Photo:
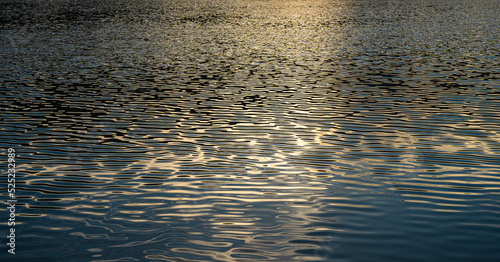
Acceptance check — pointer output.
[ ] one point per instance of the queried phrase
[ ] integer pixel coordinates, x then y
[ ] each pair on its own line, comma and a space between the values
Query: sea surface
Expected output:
251, 130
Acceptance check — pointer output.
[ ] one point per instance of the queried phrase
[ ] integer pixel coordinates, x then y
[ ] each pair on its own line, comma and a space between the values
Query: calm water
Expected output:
355, 130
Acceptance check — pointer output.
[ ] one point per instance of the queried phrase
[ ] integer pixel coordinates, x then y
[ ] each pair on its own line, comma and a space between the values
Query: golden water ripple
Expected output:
253, 130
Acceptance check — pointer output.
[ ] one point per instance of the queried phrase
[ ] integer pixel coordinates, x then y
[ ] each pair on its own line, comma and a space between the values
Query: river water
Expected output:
355, 130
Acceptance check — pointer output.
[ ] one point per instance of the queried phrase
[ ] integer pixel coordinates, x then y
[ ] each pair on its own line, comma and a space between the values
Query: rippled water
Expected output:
252, 130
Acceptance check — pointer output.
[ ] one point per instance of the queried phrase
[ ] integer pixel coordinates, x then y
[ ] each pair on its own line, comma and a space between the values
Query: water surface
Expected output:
253, 130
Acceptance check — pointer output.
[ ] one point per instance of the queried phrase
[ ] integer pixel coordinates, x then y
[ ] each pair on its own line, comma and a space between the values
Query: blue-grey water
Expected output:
252, 130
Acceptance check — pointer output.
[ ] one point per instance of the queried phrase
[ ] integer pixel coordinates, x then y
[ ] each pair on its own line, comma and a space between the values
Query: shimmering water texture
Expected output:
252, 130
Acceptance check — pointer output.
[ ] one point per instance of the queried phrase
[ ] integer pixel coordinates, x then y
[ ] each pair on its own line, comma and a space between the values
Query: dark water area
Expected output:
363, 130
